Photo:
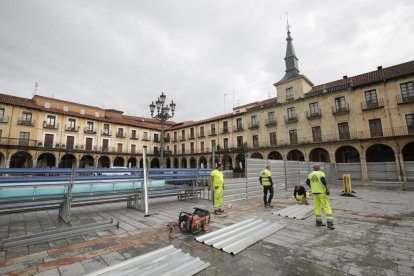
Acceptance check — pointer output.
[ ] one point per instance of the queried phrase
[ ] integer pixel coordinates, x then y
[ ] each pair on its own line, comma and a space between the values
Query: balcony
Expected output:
224, 130
340, 110
18, 142
25, 122
311, 115
106, 132
50, 125
4, 119
120, 135
156, 139
405, 99
212, 132
88, 130
191, 137
166, 139
291, 119
317, 139
293, 140
271, 122
372, 104
201, 135
72, 128
254, 125
376, 133
175, 139
182, 138
145, 138
238, 128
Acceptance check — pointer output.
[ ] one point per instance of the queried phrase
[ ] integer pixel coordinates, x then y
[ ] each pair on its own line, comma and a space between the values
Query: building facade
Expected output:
363, 124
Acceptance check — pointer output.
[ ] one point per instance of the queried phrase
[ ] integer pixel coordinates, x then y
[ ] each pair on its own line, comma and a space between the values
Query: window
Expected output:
175, 149
289, 94
225, 126
134, 134
271, 117
409, 119
48, 142
293, 136
70, 142
254, 120
192, 147
26, 117
88, 143
71, 123
239, 123
156, 137
407, 89
192, 133
97, 114
314, 109
65, 108
239, 141
50, 120
133, 148
226, 143
371, 97
47, 104
105, 129
291, 113
213, 128
340, 103
213, 145
273, 141
145, 136
202, 146
175, 136
24, 138
202, 131
375, 128
89, 126
82, 111
120, 131
256, 141
1, 114
182, 148
343, 130
105, 143
119, 147
182, 134
316, 134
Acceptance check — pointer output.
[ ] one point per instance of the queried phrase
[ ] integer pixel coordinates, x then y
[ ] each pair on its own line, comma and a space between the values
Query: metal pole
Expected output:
144, 162
162, 145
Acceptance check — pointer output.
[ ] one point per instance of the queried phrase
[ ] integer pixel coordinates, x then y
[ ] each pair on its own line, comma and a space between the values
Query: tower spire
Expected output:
291, 61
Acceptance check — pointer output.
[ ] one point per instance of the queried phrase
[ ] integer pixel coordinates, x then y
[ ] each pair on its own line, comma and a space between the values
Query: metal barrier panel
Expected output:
382, 171
278, 174
409, 170
354, 169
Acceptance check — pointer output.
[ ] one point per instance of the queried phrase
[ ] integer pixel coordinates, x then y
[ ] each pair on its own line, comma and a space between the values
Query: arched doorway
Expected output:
408, 157
168, 163
104, 162
132, 162
381, 163
213, 164
141, 163
119, 161
155, 163
274, 155
87, 161
257, 155
176, 163
348, 162
46, 160
193, 163
67, 161
295, 155
202, 162
319, 155
21, 159
227, 162
2, 160
183, 163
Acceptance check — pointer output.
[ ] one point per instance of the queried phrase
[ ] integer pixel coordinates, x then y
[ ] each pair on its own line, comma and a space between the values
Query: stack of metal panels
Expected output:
296, 211
237, 237
165, 261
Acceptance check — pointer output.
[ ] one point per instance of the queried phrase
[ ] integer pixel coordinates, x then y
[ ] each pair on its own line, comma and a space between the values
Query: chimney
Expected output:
379, 67
345, 77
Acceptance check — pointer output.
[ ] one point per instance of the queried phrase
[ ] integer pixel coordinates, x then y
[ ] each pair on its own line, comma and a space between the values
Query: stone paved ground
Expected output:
374, 235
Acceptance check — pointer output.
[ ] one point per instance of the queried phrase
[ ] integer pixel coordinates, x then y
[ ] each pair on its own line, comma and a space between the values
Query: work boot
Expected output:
330, 225
270, 205
217, 212
320, 223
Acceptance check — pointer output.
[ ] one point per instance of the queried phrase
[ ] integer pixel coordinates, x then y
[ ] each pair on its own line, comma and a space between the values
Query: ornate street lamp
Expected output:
162, 115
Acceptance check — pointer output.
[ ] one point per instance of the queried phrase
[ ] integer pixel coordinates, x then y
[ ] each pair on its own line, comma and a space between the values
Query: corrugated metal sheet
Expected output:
409, 170
354, 169
237, 237
295, 211
382, 171
165, 261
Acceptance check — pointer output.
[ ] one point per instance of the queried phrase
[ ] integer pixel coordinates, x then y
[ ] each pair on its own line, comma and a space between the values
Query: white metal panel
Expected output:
296, 211
354, 169
409, 170
382, 171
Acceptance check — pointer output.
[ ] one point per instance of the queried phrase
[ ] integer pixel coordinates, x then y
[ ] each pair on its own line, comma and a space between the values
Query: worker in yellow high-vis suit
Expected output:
216, 182
267, 183
316, 180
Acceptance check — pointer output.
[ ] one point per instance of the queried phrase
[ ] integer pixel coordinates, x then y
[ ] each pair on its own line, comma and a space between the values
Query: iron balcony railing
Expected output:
72, 128
201, 135
271, 122
291, 119
106, 132
310, 115
339, 110
372, 104
120, 135
253, 125
225, 130
238, 127
405, 99
26, 122
182, 138
145, 138
191, 136
50, 125
89, 130
212, 132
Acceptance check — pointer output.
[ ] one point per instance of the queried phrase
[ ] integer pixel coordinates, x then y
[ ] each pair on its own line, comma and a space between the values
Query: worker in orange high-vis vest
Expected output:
216, 183
316, 180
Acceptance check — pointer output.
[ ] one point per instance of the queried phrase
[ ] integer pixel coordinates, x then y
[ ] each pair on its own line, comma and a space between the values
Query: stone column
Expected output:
400, 167
364, 168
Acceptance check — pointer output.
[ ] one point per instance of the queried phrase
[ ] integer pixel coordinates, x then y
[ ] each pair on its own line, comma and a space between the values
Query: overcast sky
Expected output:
123, 54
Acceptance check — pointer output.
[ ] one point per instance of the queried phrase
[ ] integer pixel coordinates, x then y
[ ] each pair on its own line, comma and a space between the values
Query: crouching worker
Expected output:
301, 195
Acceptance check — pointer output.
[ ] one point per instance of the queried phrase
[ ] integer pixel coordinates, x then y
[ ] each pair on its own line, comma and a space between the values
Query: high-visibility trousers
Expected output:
322, 201
300, 198
218, 197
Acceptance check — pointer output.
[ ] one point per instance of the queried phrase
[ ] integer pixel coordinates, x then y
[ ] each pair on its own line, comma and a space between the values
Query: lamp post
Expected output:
162, 115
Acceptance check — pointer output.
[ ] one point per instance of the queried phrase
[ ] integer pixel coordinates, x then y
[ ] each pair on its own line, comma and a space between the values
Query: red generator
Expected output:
195, 222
